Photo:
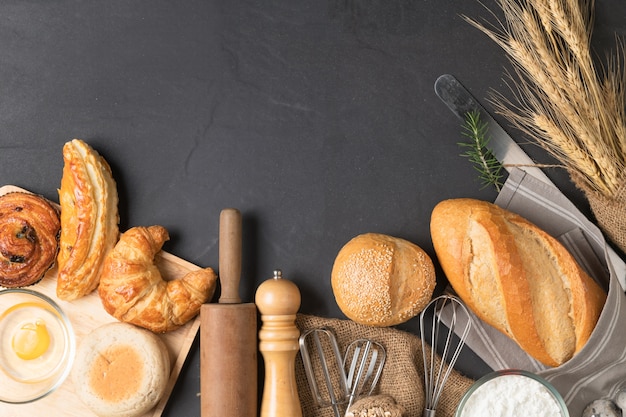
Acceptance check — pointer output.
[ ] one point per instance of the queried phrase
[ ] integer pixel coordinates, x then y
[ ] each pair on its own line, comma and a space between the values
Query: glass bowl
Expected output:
37, 346
514, 393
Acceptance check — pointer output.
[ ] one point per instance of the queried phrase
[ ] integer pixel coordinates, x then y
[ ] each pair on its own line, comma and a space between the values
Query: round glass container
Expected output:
513, 393
37, 345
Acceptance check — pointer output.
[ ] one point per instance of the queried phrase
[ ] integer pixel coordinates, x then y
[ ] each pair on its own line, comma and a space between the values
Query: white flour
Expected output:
511, 396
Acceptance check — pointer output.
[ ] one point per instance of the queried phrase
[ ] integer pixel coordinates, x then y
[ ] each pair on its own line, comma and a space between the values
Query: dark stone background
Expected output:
317, 119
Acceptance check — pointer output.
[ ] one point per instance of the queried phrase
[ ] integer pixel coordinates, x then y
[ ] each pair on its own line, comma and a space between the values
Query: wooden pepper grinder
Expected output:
278, 300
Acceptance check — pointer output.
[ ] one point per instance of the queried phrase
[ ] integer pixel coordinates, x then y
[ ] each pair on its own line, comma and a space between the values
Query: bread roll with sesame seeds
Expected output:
380, 280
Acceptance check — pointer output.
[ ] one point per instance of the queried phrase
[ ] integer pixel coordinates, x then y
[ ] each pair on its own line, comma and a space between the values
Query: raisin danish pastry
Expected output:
89, 219
29, 233
133, 290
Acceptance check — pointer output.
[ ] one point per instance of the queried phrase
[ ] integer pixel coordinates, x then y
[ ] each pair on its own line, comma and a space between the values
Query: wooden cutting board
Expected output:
86, 314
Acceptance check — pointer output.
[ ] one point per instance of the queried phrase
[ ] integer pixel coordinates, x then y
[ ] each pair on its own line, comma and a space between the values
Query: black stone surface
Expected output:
317, 119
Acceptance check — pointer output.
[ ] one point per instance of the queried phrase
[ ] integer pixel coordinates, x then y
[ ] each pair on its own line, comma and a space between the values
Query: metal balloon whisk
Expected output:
448, 340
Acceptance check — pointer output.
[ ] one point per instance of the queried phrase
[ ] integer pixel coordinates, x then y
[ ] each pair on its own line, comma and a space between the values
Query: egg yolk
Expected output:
31, 340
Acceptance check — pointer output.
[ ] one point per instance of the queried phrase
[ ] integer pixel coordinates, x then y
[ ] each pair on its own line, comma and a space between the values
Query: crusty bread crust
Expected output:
380, 280
516, 277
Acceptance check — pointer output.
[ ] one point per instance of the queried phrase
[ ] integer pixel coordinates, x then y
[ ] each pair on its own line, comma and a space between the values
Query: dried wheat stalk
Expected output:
562, 100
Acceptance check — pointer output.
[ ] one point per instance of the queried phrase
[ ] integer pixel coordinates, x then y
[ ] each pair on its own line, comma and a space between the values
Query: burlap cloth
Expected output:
402, 377
610, 212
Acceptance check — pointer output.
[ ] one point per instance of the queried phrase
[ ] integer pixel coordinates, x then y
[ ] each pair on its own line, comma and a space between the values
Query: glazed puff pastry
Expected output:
133, 290
29, 234
89, 219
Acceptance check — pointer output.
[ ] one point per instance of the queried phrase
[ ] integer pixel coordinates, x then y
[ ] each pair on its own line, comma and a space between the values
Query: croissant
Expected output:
89, 219
133, 290
29, 233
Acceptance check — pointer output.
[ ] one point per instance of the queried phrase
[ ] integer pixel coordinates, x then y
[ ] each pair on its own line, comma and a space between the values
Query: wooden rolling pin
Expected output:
228, 335
278, 301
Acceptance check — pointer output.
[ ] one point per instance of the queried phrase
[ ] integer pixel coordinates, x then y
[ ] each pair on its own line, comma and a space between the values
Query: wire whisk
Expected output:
436, 375
326, 365
343, 378
363, 363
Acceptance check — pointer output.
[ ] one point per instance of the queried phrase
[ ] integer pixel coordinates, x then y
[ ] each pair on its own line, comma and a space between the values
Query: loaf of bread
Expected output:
89, 219
517, 278
133, 290
380, 280
121, 370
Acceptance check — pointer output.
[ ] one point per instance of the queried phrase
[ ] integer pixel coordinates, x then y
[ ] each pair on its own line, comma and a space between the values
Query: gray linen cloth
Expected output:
599, 369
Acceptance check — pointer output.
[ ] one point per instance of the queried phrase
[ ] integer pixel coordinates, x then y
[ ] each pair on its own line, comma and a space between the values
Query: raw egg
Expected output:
31, 340
37, 346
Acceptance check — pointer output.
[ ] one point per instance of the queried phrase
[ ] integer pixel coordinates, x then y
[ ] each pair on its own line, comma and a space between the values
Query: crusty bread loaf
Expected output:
516, 277
121, 370
380, 280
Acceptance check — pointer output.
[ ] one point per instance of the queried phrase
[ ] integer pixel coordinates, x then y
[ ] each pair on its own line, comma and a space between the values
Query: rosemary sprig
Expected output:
478, 152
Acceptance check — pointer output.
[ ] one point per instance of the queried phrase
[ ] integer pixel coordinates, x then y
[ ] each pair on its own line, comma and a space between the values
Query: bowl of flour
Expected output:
512, 393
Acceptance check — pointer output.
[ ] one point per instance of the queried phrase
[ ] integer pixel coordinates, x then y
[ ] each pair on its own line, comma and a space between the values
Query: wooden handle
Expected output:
230, 256
228, 360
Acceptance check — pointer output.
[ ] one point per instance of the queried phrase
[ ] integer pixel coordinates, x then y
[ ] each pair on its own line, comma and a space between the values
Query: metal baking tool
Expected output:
460, 101
447, 341
228, 335
323, 362
367, 359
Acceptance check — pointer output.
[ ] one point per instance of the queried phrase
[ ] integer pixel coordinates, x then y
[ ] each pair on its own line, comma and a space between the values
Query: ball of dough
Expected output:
381, 280
121, 370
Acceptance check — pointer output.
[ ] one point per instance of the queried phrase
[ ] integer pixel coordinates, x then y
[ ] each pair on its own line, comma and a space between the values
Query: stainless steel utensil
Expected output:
334, 390
364, 369
344, 378
436, 375
460, 101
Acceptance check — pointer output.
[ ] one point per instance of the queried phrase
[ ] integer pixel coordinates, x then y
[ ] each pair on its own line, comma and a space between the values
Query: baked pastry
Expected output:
89, 219
380, 405
121, 370
133, 290
29, 234
516, 277
381, 280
